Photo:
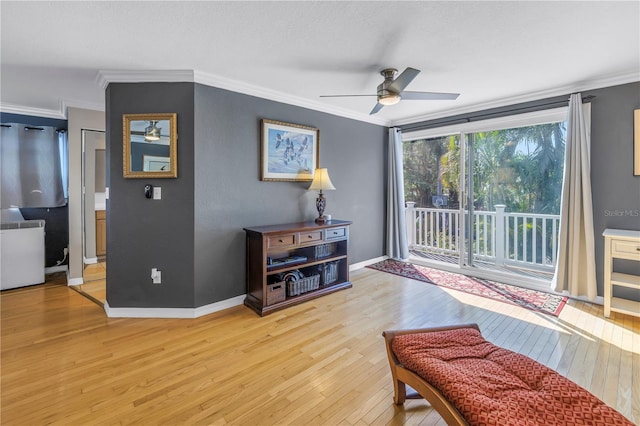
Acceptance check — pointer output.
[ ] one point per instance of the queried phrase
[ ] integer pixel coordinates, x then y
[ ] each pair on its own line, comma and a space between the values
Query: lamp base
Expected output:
320, 205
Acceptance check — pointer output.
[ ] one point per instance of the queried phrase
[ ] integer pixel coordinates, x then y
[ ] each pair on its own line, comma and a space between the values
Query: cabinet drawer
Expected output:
335, 233
309, 237
625, 249
281, 241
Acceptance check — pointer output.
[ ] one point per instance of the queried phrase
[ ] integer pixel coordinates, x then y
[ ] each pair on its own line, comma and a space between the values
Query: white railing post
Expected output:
500, 234
410, 222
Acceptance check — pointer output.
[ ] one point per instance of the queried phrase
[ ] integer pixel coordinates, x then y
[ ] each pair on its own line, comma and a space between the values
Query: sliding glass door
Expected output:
486, 199
513, 181
432, 186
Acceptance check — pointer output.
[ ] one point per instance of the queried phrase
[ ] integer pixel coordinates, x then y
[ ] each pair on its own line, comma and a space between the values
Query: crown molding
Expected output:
37, 112
72, 103
613, 80
60, 113
105, 77
277, 96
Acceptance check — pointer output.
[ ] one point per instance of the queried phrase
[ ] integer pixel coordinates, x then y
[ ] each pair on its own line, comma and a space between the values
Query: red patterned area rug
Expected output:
531, 299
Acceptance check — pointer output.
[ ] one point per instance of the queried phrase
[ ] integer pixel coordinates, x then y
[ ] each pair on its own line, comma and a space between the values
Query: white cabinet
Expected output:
620, 244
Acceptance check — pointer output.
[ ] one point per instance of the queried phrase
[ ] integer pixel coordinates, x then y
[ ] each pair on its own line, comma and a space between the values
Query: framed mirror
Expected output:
149, 145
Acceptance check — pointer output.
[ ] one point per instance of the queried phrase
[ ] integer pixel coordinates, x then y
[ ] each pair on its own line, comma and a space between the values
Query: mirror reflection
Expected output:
150, 145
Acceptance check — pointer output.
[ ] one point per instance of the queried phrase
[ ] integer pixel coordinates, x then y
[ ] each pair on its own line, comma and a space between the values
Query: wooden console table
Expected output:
620, 244
292, 263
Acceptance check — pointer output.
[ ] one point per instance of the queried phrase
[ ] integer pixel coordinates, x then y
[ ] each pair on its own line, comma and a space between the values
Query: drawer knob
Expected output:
280, 241
309, 236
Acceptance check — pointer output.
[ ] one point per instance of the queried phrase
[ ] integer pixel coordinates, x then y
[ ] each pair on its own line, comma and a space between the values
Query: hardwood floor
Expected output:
323, 362
95, 282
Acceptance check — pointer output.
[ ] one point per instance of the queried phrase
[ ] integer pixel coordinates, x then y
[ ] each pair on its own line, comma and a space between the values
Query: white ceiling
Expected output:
493, 53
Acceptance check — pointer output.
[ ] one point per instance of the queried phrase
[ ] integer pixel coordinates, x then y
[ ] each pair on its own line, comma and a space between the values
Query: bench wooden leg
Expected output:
399, 392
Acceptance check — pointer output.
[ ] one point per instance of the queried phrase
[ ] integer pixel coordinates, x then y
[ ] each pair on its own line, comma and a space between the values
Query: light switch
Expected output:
156, 276
157, 193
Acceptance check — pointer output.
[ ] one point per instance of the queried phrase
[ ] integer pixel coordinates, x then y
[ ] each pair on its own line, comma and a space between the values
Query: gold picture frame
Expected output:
148, 137
636, 142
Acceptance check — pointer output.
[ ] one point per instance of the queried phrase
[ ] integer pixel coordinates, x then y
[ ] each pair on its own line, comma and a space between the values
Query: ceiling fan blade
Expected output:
341, 96
403, 80
428, 96
376, 108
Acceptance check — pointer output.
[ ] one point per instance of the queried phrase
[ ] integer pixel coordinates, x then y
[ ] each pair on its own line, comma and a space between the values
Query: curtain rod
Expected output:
27, 127
482, 116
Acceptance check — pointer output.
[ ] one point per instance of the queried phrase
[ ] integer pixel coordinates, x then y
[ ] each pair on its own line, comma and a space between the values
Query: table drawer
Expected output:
281, 240
310, 237
625, 249
335, 233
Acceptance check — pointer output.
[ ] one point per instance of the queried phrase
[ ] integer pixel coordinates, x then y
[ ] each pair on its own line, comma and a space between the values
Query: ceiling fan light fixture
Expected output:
390, 99
152, 132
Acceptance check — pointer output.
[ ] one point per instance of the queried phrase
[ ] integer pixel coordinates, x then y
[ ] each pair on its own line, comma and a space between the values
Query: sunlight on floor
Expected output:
582, 318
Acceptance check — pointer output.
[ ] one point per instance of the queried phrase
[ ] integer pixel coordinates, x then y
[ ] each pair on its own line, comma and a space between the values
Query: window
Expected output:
34, 166
487, 192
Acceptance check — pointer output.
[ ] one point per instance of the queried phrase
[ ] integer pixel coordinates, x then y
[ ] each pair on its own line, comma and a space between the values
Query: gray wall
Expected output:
194, 234
616, 192
144, 233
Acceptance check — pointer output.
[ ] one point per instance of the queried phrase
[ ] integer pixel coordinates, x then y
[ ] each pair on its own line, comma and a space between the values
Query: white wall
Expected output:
78, 119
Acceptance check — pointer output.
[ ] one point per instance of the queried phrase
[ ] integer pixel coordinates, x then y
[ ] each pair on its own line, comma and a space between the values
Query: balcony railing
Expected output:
520, 239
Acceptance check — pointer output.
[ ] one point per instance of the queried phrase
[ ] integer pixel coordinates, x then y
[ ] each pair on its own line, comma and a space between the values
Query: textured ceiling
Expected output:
493, 53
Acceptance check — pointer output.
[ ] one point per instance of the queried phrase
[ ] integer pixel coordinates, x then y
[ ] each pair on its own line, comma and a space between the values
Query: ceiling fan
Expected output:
391, 90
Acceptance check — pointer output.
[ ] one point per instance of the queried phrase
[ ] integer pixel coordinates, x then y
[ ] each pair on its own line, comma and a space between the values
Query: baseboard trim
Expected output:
74, 281
599, 300
360, 265
54, 269
89, 260
173, 312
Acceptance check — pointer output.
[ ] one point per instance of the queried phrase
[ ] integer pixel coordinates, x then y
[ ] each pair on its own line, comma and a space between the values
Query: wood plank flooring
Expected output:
320, 363
95, 282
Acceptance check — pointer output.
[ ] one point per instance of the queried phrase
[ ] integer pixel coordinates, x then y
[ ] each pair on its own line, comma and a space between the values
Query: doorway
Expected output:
484, 199
513, 183
94, 190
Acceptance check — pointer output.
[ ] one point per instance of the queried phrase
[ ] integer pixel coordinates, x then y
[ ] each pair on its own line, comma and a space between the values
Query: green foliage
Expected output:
422, 168
521, 168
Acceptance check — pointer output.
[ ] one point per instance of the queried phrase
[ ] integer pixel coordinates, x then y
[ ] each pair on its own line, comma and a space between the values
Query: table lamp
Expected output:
321, 182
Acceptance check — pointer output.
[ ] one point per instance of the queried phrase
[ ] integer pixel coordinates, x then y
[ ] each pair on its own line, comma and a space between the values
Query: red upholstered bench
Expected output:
471, 381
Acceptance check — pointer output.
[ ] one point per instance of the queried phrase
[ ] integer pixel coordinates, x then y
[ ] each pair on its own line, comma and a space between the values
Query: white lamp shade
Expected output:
321, 181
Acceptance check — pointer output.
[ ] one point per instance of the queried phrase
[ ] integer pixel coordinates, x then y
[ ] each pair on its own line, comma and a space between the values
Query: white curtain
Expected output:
397, 247
31, 169
63, 153
575, 269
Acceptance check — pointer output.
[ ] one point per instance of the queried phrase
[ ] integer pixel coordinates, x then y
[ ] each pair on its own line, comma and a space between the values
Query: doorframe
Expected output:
466, 187
84, 168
